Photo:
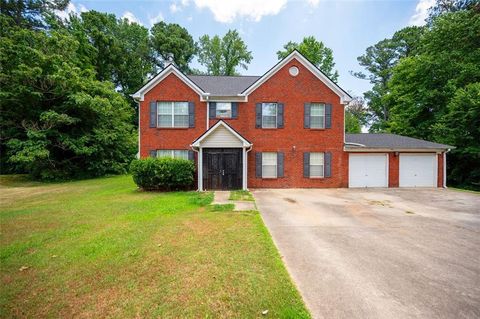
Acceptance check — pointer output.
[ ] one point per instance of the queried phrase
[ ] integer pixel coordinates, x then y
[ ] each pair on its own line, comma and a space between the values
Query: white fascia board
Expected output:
344, 98
140, 94
400, 150
244, 141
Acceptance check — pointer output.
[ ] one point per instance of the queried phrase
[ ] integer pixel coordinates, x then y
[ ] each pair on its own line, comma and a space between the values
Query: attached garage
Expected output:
368, 170
389, 160
418, 170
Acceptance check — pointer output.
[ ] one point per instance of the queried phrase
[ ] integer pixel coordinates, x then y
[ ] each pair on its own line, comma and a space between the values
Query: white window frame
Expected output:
172, 114
230, 110
172, 153
323, 115
276, 165
276, 114
322, 164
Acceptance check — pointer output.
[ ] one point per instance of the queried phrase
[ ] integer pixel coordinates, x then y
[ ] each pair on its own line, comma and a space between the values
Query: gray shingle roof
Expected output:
391, 141
223, 85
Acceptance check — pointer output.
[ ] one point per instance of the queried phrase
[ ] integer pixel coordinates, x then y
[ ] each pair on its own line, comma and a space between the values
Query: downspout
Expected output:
199, 167
246, 164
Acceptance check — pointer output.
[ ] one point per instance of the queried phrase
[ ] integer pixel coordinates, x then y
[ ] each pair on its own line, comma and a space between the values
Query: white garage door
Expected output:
418, 170
367, 170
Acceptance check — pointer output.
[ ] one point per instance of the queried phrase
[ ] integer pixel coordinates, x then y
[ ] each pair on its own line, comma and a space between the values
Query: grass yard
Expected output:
241, 195
101, 248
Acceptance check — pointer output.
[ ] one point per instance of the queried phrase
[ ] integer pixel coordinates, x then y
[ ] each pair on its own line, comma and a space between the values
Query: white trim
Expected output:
140, 94
208, 114
383, 150
213, 128
445, 168
344, 97
200, 169
244, 168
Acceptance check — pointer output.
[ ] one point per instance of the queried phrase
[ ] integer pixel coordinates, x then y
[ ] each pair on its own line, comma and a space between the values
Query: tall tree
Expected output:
316, 52
31, 14
444, 6
118, 49
172, 39
379, 61
222, 56
426, 89
57, 120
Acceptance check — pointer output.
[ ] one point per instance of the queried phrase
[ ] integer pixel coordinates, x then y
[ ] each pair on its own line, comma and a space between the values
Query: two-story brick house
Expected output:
282, 129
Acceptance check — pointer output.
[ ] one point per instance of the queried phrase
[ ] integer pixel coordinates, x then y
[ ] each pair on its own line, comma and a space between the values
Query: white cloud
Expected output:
421, 12
130, 17
227, 11
174, 8
71, 9
157, 18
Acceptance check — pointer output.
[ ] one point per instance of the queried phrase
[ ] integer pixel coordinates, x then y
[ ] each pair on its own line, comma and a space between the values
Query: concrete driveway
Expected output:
389, 253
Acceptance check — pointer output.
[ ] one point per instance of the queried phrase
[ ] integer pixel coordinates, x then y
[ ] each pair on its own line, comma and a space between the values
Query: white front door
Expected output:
418, 170
368, 170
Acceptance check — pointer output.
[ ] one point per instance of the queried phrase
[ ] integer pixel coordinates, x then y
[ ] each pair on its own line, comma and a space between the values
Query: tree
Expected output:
316, 52
57, 120
172, 39
425, 89
31, 14
222, 56
379, 61
352, 123
445, 6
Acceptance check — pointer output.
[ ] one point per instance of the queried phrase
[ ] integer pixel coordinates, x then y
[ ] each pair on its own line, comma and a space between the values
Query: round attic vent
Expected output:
293, 71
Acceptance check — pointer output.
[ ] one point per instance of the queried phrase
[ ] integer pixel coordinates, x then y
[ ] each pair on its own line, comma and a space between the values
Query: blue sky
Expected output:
348, 27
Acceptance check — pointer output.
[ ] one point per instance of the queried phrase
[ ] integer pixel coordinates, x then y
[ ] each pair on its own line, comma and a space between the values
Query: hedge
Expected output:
163, 174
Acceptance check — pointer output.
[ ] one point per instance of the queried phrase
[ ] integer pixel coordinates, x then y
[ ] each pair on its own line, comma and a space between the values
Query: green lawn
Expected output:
241, 195
101, 248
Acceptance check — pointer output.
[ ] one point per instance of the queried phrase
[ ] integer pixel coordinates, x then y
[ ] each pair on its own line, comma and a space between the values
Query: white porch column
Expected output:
200, 169
244, 171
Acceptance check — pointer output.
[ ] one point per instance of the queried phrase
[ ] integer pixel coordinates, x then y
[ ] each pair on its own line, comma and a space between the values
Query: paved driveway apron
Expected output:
392, 253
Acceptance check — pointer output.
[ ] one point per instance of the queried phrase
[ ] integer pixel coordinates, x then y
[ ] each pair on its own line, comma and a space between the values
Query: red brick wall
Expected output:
440, 170
293, 139
170, 89
393, 169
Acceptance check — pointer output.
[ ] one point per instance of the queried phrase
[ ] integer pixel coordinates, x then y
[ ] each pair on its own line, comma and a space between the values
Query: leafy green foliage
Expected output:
222, 56
172, 39
164, 174
118, 49
379, 61
316, 52
57, 120
352, 123
31, 14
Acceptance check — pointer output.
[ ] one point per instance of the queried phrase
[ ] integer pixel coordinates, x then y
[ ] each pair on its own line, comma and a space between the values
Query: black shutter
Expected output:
280, 164
258, 164
191, 114
258, 115
280, 117
306, 115
153, 114
234, 110
328, 116
212, 110
306, 164
153, 153
328, 164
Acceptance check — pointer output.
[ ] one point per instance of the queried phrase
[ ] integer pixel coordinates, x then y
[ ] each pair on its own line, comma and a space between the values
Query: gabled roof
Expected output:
236, 87
171, 68
196, 142
344, 96
389, 141
223, 85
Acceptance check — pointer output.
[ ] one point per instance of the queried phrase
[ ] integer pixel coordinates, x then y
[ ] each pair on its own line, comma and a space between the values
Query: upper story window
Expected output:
317, 115
223, 110
173, 114
269, 115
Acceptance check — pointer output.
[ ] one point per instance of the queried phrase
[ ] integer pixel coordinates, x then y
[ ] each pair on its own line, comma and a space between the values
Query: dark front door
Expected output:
222, 168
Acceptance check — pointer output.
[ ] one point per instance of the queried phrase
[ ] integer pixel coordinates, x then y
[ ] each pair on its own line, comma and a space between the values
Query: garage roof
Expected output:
389, 141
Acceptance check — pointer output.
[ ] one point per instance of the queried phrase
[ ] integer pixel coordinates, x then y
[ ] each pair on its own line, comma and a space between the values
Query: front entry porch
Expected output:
222, 158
